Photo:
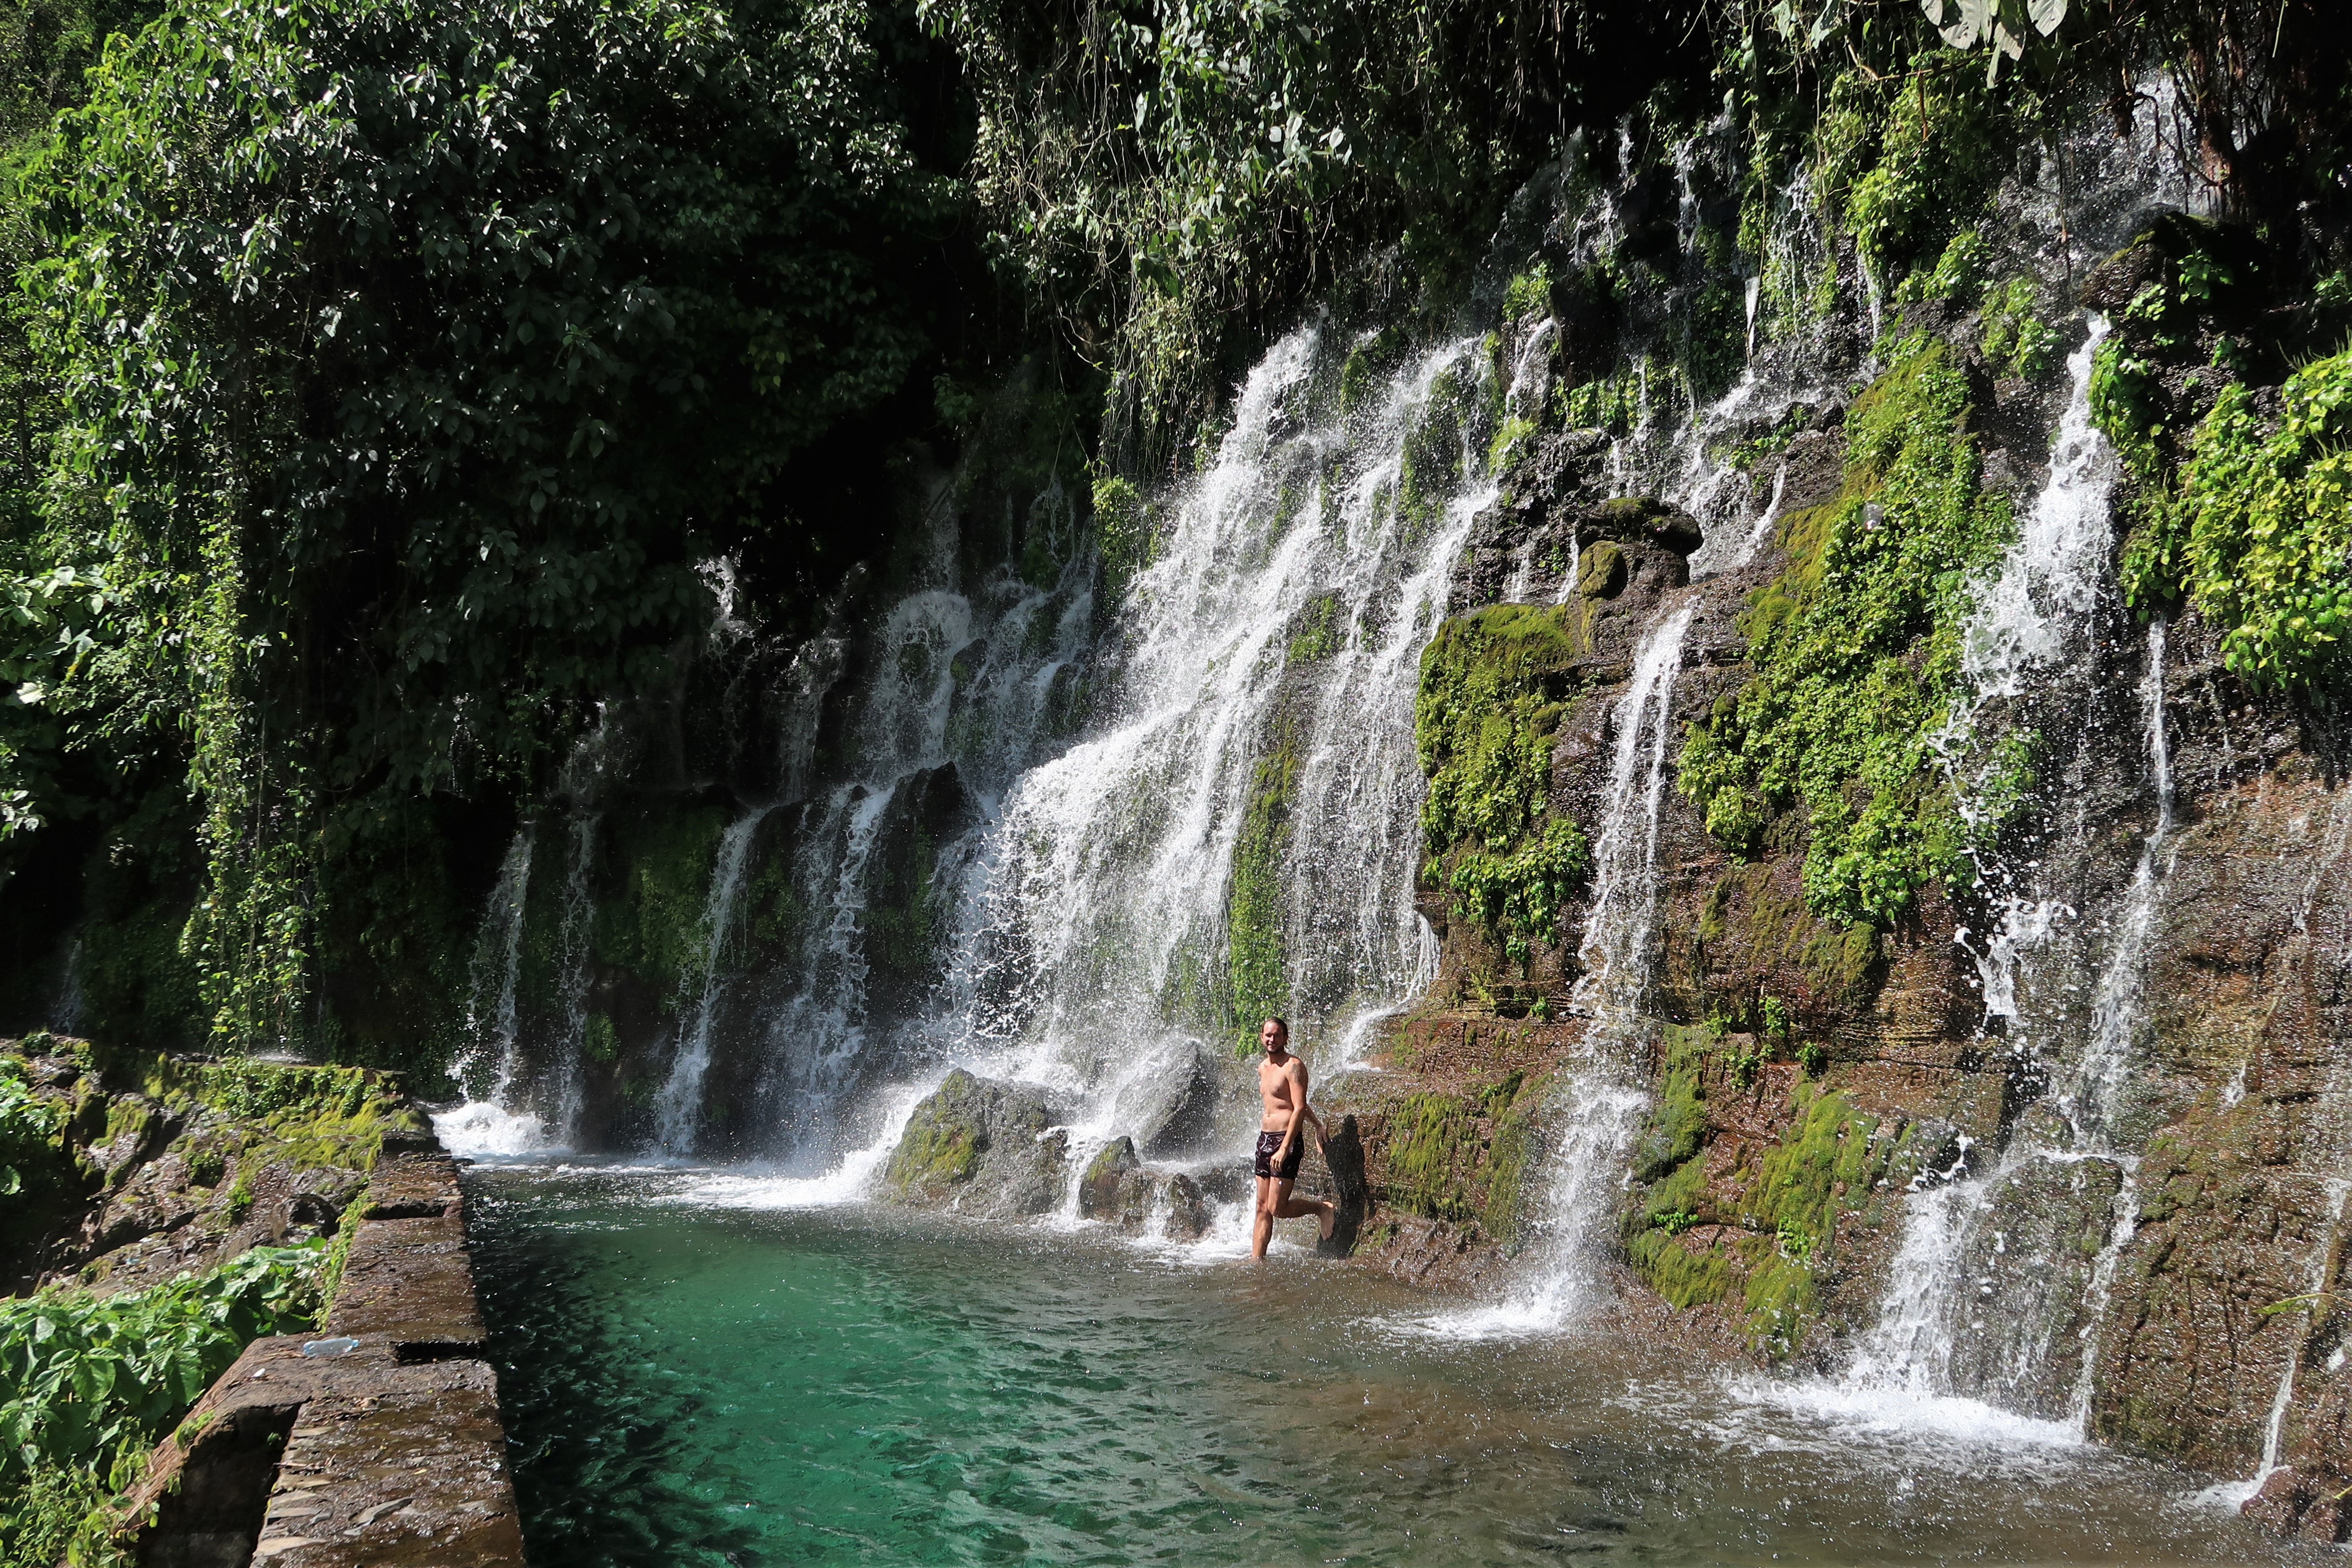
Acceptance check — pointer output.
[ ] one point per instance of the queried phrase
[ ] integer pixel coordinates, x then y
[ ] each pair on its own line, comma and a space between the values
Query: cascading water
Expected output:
1599, 1109
2036, 622
490, 1018
493, 1055
680, 1105
1264, 689
578, 932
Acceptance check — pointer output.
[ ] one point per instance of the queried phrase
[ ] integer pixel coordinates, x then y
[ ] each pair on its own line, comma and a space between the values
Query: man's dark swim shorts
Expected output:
1269, 1145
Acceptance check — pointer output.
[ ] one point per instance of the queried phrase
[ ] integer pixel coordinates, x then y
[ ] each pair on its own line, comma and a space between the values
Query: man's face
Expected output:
1270, 1038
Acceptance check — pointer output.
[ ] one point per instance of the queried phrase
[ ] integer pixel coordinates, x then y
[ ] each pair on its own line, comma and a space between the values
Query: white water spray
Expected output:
1599, 1109
678, 1112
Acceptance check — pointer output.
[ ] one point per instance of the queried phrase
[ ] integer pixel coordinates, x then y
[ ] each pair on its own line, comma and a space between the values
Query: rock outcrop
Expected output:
156, 1162
982, 1146
2173, 1273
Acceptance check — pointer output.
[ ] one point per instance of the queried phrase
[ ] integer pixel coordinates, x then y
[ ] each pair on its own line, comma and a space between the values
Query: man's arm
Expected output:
1297, 1073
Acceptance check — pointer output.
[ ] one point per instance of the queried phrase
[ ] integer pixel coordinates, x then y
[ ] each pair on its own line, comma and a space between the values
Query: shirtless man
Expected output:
1282, 1083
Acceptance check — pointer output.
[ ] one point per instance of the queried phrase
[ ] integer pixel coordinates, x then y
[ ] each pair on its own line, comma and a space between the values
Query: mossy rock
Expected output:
941, 1145
982, 1146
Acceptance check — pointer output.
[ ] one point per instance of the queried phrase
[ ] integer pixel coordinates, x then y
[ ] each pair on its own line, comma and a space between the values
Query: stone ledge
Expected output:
390, 1453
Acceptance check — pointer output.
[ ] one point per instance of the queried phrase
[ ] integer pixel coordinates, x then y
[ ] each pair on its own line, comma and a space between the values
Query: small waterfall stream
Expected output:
495, 976
1601, 1105
680, 1108
493, 1059
2036, 620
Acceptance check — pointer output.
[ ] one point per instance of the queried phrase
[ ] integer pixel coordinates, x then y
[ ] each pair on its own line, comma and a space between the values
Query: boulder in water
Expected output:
1174, 1111
1115, 1187
981, 1145
1189, 1213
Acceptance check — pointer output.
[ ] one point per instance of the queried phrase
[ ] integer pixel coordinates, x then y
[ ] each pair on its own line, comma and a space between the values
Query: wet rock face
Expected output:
2026, 1277
903, 919
2171, 1250
1186, 1103
982, 1147
1556, 536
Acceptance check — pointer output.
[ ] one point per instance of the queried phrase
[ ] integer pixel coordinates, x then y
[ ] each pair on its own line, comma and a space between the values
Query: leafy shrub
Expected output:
87, 1383
27, 1123
2262, 531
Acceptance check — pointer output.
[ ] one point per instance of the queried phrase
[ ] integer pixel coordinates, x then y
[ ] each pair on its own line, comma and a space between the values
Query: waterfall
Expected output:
1935, 1335
2038, 608
1600, 1108
2116, 1006
1265, 683
484, 1122
495, 976
578, 932
679, 1110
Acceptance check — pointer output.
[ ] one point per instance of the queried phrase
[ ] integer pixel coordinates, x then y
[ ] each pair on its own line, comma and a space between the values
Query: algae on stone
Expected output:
1494, 685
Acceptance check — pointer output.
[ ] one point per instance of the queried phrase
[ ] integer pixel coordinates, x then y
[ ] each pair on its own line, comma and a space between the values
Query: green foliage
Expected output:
1856, 650
1520, 894
1942, 148
1493, 687
2003, 29
1123, 525
1257, 968
27, 1123
2267, 518
655, 927
1173, 183
1958, 273
459, 337
87, 1383
1528, 295
2014, 337
1615, 402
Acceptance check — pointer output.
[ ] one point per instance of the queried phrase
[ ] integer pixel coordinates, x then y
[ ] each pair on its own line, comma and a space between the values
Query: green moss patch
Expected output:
1462, 1157
655, 927
941, 1145
1493, 687
1856, 651
1257, 968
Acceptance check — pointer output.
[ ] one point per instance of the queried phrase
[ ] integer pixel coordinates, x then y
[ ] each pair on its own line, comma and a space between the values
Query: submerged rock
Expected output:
981, 1145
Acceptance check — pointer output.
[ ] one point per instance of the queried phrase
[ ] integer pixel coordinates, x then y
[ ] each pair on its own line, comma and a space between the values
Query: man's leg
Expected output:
1262, 1221
1287, 1207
